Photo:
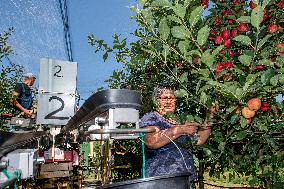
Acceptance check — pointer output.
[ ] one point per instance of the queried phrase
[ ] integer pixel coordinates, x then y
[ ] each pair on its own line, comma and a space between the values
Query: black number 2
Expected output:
51, 114
57, 71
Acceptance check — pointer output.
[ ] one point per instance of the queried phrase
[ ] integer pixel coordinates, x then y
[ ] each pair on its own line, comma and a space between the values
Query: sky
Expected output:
103, 18
39, 34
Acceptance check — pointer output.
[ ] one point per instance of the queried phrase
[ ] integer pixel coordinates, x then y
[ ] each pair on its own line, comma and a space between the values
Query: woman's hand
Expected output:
28, 113
188, 128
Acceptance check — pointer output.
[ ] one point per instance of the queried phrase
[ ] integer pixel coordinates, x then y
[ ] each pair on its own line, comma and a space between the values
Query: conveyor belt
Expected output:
10, 141
102, 101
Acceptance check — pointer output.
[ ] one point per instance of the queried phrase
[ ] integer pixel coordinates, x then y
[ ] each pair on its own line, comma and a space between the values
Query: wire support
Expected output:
64, 16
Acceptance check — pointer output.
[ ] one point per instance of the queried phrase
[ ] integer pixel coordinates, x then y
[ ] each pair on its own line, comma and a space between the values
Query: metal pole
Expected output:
143, 156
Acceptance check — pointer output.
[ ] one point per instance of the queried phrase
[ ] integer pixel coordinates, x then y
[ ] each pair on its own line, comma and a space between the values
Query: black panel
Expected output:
10, 141
101, 102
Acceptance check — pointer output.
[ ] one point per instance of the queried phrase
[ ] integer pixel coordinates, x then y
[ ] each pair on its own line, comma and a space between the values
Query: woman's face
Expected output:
167, 102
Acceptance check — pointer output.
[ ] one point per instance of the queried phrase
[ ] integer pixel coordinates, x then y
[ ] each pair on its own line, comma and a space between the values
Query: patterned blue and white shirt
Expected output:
167, 159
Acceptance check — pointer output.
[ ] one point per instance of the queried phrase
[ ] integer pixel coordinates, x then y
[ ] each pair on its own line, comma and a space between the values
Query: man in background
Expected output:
22, 95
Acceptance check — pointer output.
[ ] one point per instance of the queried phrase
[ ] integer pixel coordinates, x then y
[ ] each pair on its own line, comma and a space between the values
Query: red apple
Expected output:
247, 113
204, 3
212, 109
252, 5
243, 27
217, 21
236, 2
280, 45
225, 34
231, 22
234, 32
280, 48
265, 106
228, 65
213, 32
280, 4
265, 15
226, 12
259, 67
254, 104
218, 39
219, 67
178, 64
272, 28
196, 60
227, 43
222, 51
232, 53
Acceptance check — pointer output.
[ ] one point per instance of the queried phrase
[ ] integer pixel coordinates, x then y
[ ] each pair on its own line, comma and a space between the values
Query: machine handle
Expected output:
120, 131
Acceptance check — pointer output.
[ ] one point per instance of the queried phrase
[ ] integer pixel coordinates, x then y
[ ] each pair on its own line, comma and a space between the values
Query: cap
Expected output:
29, 75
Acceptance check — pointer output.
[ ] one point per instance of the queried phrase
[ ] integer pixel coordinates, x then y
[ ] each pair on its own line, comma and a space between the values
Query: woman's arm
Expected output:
203, 133
158, 139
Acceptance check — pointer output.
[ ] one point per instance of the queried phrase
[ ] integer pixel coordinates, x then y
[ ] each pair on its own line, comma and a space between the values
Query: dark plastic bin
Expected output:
176, 181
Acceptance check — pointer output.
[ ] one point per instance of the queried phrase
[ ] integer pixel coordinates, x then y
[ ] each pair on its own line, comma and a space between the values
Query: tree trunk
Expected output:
200, 175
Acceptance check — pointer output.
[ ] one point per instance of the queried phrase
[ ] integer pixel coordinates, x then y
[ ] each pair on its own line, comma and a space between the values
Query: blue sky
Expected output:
39, 33
103, 18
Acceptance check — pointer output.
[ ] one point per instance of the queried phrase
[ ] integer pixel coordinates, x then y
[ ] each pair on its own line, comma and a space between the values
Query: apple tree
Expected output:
9, 73
227, 68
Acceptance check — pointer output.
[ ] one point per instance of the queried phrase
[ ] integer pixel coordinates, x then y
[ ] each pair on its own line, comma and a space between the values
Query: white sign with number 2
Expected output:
57, 85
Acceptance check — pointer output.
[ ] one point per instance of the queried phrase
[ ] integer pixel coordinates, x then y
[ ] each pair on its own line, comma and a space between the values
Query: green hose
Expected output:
143, 156
9, 175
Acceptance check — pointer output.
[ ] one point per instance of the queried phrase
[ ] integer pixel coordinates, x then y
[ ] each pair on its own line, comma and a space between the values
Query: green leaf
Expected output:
179, 10
267, 75
243, 39
193, 52
198, 119
281, 78
195, 15
183, 46
181, 93
179, 32
239, 93
223, 89
149, 51
261, 126
280, 60
217, 50
241, 135
166, 50
207, 58
234, 119
257, 16
274, 80
164, 29
243, 122
221, 146
245, 19
263, 41
203, 98
105, 56
207, 151
202, 35
265, 62
249, 80
142, 1
186, 3
245, 59
174, 19
161, 3
265, 3
189, 118
183, 77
